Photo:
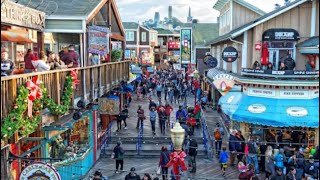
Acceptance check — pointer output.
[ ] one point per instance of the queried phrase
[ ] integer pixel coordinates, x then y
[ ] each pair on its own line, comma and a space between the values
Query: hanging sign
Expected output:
210, 61
280, 34
185, 48
229, 54
99, 40
39, 170
258, 46
19, 15
223, 83
109, 105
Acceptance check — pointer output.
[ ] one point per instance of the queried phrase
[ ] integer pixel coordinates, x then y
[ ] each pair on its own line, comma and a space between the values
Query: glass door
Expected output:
274, 58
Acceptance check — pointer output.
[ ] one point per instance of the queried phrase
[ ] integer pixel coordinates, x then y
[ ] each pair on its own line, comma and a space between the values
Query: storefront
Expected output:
260, 111
73, 145
21, 29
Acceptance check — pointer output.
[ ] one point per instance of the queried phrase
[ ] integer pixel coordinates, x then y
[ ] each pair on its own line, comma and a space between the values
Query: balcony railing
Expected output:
286, 74
94, 82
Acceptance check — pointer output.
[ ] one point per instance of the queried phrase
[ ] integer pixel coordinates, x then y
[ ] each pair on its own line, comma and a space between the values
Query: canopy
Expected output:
271, 112
14, 37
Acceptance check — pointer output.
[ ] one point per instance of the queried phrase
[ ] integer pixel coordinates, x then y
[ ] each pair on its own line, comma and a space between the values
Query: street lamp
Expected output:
177, 157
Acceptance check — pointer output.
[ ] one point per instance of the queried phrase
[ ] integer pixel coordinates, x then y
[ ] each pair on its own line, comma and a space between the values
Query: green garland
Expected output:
17, 119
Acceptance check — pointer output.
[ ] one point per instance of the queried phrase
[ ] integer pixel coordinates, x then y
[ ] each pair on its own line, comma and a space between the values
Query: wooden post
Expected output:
40, 42
57, 83
92, 83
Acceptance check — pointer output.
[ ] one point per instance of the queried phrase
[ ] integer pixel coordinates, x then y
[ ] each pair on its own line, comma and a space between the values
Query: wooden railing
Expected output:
94, 82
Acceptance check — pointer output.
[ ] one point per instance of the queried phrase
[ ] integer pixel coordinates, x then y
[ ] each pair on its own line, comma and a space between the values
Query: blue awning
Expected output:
271, 112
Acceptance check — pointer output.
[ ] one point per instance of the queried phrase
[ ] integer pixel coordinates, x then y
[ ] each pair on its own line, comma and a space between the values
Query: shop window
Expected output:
72, 143
143, 36
278, 51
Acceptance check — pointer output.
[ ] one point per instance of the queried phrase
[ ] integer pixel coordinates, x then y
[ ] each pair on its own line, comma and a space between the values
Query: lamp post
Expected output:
177, 157
196, 84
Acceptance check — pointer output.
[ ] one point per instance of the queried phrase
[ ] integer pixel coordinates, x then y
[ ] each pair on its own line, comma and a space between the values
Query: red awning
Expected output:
14, 37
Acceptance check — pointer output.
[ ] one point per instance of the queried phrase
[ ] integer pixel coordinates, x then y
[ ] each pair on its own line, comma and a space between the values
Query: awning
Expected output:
14, 37
309, 46
271, 112
135, 69
213, 73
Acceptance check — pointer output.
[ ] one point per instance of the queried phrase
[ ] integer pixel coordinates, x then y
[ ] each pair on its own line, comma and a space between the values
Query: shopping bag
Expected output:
112, 155
159, 170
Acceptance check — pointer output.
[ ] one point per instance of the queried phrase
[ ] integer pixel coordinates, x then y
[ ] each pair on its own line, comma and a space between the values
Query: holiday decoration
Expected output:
31, 100
177, 160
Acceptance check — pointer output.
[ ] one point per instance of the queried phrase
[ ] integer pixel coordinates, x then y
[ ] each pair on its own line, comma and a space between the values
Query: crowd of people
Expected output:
46, 60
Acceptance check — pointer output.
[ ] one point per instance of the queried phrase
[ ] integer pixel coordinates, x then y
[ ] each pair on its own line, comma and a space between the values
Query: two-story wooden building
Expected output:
269, 98
140, 42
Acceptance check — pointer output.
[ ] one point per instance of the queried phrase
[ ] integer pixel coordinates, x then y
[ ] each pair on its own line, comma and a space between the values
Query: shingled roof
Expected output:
162, 31
130, 25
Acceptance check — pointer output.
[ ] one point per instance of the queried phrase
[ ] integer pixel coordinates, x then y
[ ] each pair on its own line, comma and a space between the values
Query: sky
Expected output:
142, 10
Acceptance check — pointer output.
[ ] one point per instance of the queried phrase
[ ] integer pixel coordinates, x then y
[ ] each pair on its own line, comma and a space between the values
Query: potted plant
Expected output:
116, 55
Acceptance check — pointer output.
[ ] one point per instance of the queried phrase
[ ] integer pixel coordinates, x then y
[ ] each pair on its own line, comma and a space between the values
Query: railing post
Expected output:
57, 83
92, 83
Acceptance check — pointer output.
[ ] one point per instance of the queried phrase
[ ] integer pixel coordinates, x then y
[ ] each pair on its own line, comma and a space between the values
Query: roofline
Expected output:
130, 29
95, 10
251, 7
144, 27
117, 15
66, 17
267, 18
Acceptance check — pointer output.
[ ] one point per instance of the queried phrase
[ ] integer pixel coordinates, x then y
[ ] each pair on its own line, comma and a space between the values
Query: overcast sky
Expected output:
141, 10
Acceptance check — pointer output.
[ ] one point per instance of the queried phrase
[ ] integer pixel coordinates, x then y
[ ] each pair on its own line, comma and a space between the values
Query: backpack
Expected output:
217, 135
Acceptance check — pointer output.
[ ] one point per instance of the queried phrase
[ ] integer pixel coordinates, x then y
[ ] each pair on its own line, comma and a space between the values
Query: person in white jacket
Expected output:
41, 65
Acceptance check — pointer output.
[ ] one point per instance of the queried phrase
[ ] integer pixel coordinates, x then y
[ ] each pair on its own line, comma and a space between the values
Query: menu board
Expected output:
99, 40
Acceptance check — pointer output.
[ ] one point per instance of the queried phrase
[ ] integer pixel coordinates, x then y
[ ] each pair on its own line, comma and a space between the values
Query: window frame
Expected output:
143, 36
130, 36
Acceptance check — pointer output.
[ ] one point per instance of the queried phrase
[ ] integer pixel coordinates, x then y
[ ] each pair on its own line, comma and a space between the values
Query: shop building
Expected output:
67, 25
21, 31
270, 97
140, 43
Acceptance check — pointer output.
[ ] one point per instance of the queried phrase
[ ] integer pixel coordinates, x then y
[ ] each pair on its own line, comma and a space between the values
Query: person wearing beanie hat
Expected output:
118, 156
132, 175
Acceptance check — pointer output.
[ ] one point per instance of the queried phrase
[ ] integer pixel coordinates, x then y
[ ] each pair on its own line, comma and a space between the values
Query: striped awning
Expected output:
213, 73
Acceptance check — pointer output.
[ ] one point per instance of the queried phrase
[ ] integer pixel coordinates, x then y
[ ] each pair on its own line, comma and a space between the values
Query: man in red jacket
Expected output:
28, 67
168, 109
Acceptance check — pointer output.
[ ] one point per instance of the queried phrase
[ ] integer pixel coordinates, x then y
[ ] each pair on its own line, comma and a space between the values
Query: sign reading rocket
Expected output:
223, 83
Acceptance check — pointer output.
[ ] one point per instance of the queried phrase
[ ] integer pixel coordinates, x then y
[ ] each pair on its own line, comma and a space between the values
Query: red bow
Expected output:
177, 160
74, 75
35, 92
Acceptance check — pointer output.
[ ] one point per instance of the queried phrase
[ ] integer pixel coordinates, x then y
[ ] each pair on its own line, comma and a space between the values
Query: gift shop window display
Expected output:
73, 143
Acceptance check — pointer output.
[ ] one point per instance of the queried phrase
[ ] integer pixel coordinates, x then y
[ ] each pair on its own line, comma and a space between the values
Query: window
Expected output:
225, 18
143, 36
129, 36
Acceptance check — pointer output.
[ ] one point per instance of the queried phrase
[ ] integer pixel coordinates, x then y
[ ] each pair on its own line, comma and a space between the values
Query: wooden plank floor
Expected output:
206, 169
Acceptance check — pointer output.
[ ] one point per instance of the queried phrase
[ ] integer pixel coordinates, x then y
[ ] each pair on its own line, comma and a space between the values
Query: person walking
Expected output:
253, 155
242, 140
217, 140
168, 109
141, 117
124, 115
162, 120
118, 156
181, 115
223, 159
164, 159
153, 117
269, 162
132, 175
192, 152
233, 147
279, 159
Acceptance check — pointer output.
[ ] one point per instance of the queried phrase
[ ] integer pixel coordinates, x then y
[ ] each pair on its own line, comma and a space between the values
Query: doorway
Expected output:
279, 55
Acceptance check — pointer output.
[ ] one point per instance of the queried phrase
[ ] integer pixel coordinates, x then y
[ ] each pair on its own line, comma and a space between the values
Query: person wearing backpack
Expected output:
164, 160
118, 156
217, 140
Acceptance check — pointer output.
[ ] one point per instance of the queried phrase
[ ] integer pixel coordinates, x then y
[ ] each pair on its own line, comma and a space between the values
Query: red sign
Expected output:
258, 46
173, 44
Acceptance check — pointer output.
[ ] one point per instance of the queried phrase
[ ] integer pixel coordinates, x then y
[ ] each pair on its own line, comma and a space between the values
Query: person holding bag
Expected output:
164, 160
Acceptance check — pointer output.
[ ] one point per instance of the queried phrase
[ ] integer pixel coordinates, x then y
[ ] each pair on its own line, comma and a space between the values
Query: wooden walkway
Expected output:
206, 169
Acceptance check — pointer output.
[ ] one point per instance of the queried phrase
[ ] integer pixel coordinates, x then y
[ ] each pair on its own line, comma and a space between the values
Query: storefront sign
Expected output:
223, 83
99, 40
185, 42
19, 15
258, 46
39, 170
173, 45
210, 61
286, 72
294, 94
281, 34
261, 92
109, 105
229, 54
